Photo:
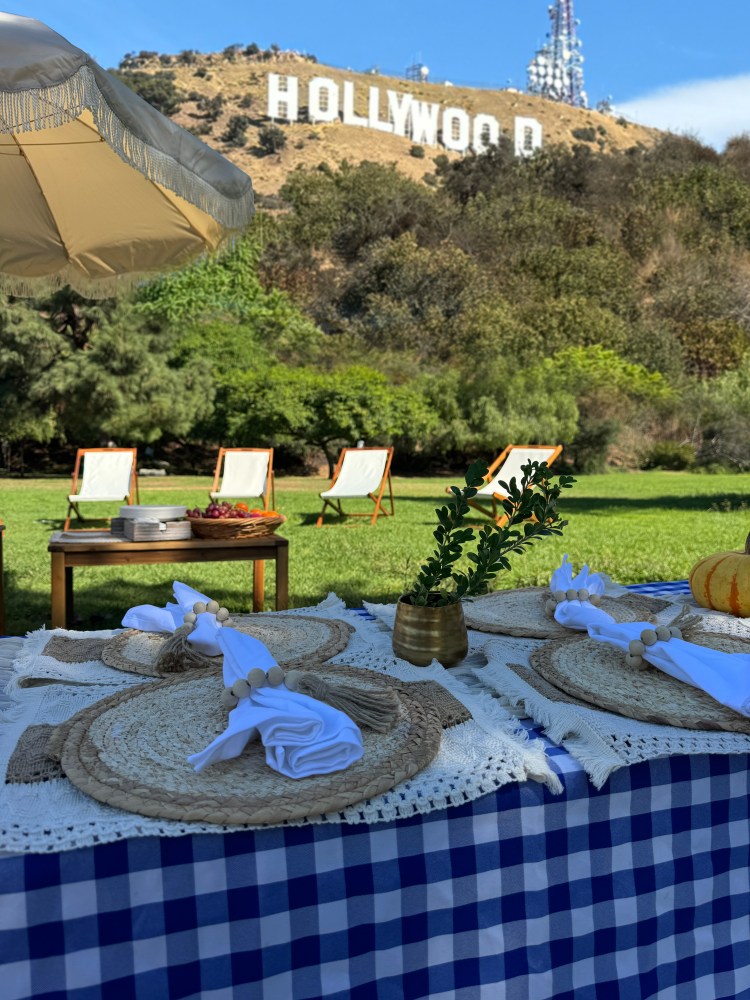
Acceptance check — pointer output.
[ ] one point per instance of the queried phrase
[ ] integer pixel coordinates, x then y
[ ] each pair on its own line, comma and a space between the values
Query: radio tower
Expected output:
556, 71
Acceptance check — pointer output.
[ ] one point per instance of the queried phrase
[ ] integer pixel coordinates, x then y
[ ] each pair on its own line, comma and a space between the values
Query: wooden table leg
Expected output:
59, 590
69, 612
282, 578
259, 584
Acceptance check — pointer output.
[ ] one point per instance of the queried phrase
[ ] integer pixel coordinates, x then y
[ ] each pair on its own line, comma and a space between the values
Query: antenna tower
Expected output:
556, 71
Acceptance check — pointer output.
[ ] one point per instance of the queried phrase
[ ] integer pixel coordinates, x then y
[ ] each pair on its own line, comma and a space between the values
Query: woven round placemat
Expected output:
543, 687
294, 641
597, 673
521, 612
130, 750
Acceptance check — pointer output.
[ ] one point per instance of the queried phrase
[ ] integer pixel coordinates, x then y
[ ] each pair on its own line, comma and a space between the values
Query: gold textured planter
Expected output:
421, 635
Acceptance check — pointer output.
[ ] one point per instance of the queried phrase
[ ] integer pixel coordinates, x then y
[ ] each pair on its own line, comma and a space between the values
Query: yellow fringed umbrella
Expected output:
96, 186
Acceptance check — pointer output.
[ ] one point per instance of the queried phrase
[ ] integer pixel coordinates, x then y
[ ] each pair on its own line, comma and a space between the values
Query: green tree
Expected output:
129, 385
322, 410
157, 88
226, 287
29, 353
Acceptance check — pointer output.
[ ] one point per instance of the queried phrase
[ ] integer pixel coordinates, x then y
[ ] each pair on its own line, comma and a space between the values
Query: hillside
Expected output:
241, 82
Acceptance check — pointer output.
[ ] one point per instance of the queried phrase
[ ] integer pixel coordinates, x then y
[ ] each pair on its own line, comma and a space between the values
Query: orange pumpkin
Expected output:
722, 582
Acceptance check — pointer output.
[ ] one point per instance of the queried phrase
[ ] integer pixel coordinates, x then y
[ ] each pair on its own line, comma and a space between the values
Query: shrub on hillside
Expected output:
271, 139
671, 455
584, 134
236, 130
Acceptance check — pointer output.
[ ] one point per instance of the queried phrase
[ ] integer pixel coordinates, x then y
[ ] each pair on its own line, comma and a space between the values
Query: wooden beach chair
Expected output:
507, 466
247, 474
107, 475
360, 473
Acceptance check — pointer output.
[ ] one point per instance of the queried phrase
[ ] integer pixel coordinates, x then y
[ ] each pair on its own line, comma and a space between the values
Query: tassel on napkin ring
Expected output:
649, 637
177, 654
367, 708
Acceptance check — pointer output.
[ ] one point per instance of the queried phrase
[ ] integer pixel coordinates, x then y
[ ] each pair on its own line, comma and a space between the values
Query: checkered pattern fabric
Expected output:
641, 890
672, 588
638, 891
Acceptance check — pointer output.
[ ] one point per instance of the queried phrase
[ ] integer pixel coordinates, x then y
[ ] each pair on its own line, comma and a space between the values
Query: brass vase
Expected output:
421, 635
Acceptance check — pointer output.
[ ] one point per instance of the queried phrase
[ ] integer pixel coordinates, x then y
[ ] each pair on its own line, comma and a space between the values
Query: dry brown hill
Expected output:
242, 83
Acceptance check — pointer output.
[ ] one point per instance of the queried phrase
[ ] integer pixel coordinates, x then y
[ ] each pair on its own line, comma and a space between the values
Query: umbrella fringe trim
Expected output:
108, 286
51, 107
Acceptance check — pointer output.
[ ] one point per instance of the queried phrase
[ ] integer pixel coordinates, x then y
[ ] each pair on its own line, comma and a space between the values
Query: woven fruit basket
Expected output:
235, 527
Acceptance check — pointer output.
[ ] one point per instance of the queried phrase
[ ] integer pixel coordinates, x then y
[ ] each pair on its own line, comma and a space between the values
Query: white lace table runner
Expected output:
475, 758
600, 741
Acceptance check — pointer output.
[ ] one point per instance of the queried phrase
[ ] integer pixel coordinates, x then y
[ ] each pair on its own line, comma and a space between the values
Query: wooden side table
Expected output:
70, 549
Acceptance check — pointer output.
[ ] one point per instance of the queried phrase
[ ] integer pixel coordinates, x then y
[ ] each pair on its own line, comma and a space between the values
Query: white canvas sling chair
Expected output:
360, 473
248, 473
107, 475
508, 466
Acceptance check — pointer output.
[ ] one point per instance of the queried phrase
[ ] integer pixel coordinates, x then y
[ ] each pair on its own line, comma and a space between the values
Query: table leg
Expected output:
282, 579
59, 589
259, 584
69, 613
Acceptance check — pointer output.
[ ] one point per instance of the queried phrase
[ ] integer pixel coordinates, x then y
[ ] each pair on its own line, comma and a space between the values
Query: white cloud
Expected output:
714, 110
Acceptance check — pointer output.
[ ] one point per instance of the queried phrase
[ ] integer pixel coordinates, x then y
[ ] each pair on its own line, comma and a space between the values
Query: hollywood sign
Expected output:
423, 122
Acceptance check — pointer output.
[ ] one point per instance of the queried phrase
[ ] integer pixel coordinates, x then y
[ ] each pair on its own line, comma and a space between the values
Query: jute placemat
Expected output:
30, 761
521, 612
130, 750
597, 674
294, 641
67, 649
543, 687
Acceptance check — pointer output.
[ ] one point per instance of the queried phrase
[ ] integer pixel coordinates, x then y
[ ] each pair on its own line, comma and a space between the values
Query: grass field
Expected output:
635, 526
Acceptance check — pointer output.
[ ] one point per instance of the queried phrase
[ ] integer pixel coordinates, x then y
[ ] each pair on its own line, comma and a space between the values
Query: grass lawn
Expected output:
634, 526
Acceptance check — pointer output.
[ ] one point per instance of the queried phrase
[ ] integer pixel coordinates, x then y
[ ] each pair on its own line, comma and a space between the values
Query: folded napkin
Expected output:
149, 618
563, 579
571, 611
724, 676
302, 736
579, 615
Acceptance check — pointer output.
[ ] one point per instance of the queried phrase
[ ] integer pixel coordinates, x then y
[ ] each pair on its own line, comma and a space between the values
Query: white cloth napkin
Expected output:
149, 618
724, 676
302, 736
563, 579
578, 614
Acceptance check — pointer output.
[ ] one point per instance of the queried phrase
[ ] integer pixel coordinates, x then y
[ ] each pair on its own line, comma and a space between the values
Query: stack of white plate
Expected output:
140, 512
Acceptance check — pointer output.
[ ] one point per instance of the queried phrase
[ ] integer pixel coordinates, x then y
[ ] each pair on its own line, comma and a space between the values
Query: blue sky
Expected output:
681, 64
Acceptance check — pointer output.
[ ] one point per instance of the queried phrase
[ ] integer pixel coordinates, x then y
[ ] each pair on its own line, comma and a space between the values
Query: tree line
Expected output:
596, 299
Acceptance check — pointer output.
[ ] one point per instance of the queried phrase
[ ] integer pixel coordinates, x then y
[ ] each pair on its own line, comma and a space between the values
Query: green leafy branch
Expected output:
531, 513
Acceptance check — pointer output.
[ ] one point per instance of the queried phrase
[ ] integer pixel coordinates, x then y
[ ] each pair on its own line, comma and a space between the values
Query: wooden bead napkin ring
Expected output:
376, 709
649, 637
570, 595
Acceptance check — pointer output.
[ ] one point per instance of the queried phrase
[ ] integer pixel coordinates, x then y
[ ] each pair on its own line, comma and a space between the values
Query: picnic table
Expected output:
640, 888
69, 549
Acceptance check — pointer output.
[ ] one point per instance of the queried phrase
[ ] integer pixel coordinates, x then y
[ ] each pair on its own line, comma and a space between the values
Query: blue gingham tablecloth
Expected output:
639, 890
